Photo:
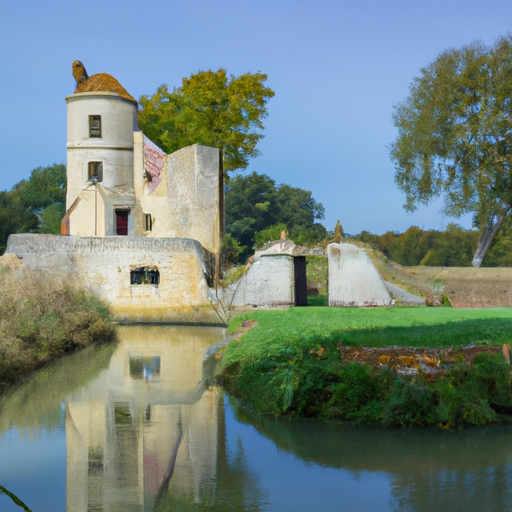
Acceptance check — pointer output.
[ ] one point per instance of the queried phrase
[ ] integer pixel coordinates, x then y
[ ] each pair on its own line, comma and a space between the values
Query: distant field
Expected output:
466, 287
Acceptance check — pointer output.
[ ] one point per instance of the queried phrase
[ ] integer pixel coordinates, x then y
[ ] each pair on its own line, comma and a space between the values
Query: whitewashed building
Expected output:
142, 229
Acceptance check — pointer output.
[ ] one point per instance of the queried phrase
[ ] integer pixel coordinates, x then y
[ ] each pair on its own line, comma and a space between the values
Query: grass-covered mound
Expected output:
290, 362
41, 320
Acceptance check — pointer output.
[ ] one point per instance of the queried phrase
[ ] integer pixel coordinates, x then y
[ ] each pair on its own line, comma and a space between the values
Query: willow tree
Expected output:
455, 137
210, 108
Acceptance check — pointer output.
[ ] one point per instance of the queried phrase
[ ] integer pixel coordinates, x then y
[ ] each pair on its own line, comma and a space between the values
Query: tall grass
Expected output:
41, 319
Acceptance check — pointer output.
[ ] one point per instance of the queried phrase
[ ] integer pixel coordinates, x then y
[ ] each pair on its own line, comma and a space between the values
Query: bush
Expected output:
41, 320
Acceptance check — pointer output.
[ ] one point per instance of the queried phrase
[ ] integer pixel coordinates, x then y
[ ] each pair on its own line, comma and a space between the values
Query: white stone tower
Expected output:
100, 198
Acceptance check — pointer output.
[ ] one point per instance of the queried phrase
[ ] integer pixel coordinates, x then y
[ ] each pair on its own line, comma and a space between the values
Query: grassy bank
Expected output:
291, 362
42, 320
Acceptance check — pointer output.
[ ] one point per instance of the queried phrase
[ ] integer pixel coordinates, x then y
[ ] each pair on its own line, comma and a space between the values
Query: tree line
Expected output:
35, 205
257, 210
453, 247
454, 140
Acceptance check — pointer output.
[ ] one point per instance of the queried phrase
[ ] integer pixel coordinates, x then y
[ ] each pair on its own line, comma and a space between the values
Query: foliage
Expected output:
450, 248
338, 233
317, 275
34, 205
46, 186
500, 253
318, 300
234, 274
455, 136
230, 250
210, 108
269, 234
289, 364
41, 320
51, 218
255, 203
14, 216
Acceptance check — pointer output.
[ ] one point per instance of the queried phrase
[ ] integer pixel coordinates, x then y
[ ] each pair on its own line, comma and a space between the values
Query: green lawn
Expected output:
289, 363
378, 327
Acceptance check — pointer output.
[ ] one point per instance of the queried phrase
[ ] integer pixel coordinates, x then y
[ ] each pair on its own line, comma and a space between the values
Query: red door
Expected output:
122, 222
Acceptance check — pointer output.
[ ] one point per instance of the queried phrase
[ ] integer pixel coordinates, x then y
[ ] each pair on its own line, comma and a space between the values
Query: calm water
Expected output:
136, 428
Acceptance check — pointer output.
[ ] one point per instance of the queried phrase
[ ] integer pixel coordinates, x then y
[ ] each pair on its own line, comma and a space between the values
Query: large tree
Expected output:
455, 137
209, 108
255, 203
34, 205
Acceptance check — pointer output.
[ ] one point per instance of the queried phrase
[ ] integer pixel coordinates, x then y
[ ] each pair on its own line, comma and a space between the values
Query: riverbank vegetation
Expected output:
41, 320
294, 362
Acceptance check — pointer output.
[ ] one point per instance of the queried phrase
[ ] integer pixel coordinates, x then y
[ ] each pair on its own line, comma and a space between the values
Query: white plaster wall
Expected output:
102, 266
151, 202
114, 149
188, 202
194, 196
94, 214
353, 279
117, 119
268, 282
117, 169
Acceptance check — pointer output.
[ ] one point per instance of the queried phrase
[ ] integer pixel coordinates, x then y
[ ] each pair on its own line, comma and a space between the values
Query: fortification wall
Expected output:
104, 267
353, 279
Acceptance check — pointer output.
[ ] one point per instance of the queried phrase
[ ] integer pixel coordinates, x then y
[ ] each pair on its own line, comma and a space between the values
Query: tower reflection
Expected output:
146, 420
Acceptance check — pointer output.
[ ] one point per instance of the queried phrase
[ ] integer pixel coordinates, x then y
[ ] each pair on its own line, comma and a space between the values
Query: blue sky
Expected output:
337, 68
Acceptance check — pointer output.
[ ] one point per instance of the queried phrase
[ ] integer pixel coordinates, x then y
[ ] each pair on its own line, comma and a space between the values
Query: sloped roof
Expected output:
103, 82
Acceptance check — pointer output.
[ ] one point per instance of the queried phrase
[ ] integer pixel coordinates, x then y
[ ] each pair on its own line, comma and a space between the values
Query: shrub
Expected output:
41, 320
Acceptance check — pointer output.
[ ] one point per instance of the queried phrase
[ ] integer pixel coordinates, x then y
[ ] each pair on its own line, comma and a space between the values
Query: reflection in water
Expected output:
36, 403
429, 469
144, 432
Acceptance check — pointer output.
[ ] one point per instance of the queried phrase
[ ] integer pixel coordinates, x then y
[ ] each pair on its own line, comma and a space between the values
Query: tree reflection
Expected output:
429, 469
36, 403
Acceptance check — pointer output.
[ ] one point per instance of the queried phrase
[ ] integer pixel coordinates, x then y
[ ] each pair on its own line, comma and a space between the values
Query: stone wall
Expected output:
268, 283
353, 279
103, 266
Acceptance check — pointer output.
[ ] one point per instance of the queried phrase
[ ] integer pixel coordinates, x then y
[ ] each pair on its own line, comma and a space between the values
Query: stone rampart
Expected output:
267, 283
170, 273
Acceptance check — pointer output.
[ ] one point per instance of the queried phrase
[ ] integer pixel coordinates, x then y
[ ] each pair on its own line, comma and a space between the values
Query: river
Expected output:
139, 427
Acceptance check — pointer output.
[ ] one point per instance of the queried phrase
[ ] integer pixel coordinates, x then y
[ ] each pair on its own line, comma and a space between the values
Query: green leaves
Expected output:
455, 133
212, 109
34, 205
257, 210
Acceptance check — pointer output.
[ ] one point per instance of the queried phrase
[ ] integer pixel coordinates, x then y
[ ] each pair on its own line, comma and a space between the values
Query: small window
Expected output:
144, 367
148, 221
95, 171
122, 222
95, 126
145, 275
